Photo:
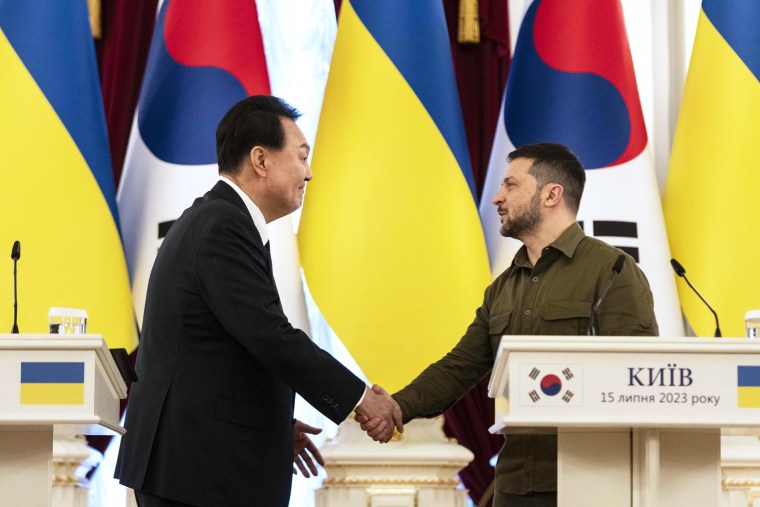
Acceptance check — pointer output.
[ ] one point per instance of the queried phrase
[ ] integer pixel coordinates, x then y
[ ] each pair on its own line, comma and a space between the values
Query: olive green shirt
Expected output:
553, 298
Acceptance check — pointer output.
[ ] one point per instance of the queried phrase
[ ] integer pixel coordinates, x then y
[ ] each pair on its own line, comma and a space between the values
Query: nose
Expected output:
498, 198
308, 176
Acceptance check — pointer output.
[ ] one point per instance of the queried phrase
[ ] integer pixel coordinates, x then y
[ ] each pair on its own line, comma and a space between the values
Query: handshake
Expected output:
379, 414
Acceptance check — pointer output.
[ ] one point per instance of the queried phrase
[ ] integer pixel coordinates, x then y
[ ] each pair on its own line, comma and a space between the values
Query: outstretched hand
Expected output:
304, 450
379, 414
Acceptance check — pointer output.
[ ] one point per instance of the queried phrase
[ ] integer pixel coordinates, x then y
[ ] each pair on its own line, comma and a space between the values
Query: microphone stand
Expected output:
14, 330
680, 271
616, 268
718, 334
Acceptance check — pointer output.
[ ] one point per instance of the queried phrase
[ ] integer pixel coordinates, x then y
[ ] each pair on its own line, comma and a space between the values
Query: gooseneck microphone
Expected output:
680, 271
15, 255
616, 268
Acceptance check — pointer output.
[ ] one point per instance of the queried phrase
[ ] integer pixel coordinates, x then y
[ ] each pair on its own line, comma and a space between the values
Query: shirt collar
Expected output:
567, 243
569, 240
258, 217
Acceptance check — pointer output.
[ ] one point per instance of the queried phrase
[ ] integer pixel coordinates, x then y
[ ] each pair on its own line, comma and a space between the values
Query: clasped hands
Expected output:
379, 414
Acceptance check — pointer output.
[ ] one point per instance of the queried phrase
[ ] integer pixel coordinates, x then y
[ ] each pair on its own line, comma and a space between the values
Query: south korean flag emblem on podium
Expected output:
551, 385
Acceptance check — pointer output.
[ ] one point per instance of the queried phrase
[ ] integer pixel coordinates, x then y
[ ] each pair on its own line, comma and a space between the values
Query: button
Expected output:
527, 312
535, 278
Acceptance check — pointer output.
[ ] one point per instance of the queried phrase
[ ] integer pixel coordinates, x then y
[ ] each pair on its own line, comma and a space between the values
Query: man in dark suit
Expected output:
210, 421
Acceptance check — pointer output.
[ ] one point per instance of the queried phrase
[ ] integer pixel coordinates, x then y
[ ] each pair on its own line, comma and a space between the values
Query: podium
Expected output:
51, 384
639, 420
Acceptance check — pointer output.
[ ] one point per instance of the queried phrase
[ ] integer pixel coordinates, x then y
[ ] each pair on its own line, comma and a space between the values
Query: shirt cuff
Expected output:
364, 393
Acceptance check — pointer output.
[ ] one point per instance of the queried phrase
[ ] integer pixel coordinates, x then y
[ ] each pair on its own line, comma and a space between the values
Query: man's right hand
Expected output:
379, 414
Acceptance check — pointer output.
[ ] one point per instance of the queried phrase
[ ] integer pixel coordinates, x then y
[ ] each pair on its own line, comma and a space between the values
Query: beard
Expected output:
525, 221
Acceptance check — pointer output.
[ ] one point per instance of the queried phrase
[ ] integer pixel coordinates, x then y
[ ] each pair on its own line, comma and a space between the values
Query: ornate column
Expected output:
416, 469
740, 471
72, 459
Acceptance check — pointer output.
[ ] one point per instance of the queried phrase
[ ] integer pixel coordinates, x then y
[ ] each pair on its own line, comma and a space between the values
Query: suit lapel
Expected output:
225, 191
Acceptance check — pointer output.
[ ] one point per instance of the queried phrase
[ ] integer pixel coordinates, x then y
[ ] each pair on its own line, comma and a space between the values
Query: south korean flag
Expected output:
551, 385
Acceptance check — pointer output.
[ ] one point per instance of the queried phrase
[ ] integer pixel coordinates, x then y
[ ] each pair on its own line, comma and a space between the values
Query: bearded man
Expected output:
549, 289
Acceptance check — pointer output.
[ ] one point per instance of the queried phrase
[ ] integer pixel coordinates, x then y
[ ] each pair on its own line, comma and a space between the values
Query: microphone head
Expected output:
680, 271
16, 251
618, 264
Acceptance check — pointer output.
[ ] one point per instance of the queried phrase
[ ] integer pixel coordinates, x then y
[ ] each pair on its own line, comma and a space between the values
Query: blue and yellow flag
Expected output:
56, 185
710, 208
390, 238
52, 383
748, 386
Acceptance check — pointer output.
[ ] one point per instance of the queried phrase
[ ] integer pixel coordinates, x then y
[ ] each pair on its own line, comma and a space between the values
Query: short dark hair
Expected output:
254, 121
555, 163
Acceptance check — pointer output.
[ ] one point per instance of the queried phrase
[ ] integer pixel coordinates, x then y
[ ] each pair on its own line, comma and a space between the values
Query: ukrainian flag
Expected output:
749, 387
52, 383
710, 207
390, 239
56, 186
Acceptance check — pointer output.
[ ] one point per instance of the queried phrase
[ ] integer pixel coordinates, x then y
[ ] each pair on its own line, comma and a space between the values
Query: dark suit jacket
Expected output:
210, 420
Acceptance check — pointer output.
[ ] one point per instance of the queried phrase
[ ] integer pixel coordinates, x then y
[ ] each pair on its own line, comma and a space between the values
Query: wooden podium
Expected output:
62, 384
639, 419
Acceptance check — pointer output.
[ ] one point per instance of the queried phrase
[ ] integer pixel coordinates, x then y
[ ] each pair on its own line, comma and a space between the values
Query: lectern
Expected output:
63, 384
638, 419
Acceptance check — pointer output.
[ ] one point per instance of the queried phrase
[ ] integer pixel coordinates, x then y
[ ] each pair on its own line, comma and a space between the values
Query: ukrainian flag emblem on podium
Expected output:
52, 383
748, 390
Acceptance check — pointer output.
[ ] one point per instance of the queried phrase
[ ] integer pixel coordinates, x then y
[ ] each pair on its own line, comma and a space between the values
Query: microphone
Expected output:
680, 271
616, 268
15, 255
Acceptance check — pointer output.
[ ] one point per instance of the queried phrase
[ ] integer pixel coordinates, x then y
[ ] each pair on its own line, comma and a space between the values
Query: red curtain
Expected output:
481, 72
122, 52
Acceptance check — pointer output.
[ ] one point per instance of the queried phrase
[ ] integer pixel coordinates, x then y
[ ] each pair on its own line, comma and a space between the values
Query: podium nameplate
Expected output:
640, 418
641, 382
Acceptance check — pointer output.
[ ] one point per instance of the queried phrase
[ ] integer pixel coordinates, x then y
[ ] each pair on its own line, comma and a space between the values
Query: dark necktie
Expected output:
269, 256
270, 270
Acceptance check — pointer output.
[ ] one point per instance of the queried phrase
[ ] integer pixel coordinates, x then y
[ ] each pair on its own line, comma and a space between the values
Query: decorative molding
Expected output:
72, 460
396, 466
364, 481
417, 468
740, 483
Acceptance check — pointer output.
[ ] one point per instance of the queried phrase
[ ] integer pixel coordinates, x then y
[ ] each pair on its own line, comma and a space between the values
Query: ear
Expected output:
258, 158
554, 195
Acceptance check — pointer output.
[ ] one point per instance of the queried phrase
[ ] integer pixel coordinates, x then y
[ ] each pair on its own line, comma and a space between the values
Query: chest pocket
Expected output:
497, 326
565, 317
